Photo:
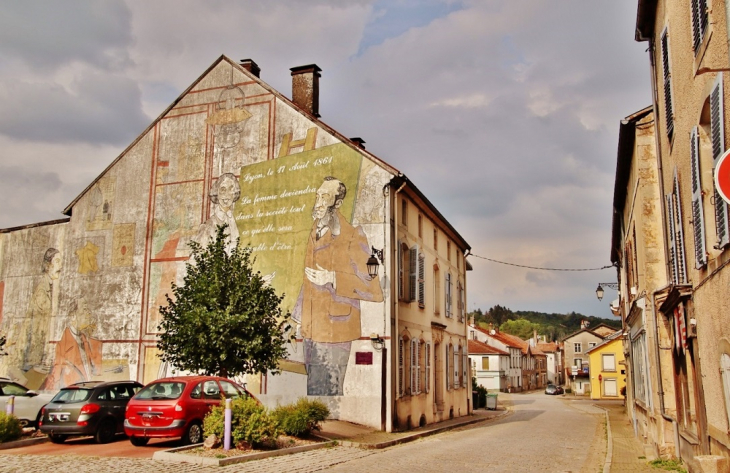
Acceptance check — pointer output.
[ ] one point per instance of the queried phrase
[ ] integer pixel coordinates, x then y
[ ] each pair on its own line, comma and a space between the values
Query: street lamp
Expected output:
372, 263
599, 289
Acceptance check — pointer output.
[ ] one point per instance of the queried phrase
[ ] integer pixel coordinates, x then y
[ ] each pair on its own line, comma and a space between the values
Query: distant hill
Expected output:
523, 323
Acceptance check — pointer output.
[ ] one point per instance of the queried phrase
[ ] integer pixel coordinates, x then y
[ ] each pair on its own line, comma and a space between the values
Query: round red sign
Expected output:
722, 176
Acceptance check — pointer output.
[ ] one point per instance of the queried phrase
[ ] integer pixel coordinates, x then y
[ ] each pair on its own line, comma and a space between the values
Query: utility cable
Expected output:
542, 269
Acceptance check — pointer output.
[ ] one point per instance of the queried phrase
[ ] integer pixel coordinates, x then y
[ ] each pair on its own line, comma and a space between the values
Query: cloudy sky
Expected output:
505, 113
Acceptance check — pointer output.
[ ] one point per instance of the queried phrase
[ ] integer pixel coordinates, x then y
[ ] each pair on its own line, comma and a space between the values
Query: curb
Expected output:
417, 435
23, 443
609, 441
176, 455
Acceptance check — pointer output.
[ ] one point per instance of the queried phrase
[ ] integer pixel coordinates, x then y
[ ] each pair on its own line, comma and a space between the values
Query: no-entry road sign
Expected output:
722, 176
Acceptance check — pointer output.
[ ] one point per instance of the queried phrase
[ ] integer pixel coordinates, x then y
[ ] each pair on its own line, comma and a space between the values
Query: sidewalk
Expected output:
625, 449
354, 435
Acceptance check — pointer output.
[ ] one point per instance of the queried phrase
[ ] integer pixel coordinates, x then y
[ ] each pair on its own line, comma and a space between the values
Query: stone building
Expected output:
80, 296
683, 266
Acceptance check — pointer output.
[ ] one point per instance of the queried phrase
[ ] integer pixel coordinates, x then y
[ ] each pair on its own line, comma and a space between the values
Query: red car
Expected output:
175, 407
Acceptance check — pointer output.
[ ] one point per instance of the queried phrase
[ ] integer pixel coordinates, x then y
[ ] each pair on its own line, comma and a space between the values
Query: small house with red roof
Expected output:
489, 365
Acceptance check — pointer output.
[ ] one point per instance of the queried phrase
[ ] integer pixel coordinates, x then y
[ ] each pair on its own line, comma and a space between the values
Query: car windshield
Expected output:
161, 390
68, 395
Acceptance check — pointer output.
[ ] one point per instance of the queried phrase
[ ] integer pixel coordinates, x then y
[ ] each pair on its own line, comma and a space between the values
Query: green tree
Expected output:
521, 328
225, 319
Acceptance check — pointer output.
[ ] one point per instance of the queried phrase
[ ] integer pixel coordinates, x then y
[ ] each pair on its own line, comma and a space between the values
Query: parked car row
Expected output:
167, 407
554, 389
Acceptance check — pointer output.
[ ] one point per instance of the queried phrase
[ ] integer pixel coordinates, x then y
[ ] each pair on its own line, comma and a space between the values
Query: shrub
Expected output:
10, 428
251, 423
301, 418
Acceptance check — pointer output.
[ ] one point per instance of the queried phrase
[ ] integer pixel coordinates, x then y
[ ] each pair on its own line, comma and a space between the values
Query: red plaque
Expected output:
364, 358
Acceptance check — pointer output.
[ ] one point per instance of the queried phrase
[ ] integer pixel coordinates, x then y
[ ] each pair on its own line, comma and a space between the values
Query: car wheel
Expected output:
194, 434
106, 431
57, 438
139, 441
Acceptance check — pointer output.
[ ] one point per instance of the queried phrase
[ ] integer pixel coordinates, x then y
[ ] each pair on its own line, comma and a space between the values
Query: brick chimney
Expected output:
305, 87
251, 67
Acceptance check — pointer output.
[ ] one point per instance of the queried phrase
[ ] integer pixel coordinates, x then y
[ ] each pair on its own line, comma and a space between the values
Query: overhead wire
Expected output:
541, 268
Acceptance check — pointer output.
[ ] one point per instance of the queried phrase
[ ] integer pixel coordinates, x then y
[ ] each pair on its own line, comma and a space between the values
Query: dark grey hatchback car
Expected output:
89, 408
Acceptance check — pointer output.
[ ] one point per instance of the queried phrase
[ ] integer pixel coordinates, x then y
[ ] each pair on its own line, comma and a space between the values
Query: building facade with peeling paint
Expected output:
80, 296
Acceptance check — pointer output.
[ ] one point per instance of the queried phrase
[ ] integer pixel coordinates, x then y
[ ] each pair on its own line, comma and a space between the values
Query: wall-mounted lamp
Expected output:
377, 341
373, 262
599, 289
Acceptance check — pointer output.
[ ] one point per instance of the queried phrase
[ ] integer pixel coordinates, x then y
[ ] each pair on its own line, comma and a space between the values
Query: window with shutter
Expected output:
401, 272
448, 361
464, 368
676, 234
456, 367
412, 272
421, 281
669, 109
609, 362
436, 290
717, 131
679, 232
401, 362
698, 217
699, 23
414, 366
427, 356
448, 295
671, 240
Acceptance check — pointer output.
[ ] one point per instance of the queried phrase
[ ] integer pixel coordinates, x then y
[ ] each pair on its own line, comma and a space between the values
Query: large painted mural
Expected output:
80, 300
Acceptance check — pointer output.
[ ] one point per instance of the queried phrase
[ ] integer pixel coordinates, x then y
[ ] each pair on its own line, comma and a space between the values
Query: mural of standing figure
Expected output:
336, 280
34, 329
78, 355
223, 194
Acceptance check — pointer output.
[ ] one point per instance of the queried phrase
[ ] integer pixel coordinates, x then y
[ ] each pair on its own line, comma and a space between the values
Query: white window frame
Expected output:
577, 347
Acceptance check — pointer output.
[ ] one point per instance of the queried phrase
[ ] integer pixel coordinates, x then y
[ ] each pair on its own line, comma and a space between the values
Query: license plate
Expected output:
59, 416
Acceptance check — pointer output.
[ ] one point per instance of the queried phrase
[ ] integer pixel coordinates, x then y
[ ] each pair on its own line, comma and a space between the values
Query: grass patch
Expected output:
668, 465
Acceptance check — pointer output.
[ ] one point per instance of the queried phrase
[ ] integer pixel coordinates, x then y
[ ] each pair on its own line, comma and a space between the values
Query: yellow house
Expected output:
607, 372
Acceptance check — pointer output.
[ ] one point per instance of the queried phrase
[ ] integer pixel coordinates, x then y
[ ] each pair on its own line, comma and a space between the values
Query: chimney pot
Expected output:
305, 87
251, 66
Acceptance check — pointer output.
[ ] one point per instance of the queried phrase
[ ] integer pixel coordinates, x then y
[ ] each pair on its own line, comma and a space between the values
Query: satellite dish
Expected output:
492, 332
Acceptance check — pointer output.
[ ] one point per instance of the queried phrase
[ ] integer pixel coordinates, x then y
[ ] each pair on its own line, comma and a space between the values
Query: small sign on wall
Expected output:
364, 358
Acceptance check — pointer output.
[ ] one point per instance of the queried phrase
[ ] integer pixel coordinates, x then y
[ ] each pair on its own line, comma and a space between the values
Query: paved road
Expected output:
544, 433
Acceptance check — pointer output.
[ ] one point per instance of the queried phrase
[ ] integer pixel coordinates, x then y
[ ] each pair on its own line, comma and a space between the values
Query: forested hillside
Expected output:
524, 323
